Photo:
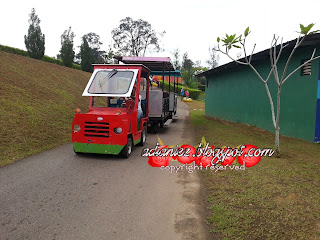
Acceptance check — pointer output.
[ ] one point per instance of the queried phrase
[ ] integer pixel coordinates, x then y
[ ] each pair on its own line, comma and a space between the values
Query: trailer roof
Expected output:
176, 73
120, 66
153, 63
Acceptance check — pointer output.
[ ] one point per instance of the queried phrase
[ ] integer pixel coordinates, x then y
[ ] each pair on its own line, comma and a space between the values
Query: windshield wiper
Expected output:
106, 78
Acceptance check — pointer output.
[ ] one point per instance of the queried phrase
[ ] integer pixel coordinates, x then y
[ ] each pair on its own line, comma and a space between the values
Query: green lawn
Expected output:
37, 105
279, 198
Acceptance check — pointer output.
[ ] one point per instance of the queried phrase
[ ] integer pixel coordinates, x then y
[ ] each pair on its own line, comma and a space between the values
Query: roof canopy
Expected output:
176, 73
153, 63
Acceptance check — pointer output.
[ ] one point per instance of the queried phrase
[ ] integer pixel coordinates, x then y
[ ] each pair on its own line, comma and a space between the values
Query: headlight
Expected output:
117, 130
76, 128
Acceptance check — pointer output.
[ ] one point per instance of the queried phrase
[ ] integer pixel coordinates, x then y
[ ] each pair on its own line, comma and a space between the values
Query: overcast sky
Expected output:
191, 26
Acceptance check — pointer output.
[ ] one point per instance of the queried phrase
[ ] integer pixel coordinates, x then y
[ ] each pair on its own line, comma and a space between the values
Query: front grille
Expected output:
96, 129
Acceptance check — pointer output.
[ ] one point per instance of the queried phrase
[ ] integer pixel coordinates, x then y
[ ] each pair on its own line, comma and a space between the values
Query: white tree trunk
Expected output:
277, 141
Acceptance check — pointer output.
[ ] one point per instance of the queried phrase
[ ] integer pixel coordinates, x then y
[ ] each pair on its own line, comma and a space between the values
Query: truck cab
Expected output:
118, 110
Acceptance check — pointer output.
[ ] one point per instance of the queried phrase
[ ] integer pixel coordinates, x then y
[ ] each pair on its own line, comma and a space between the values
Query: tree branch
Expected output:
227, 54
277, 59
243, 63
275, 69
302, 65
256, 72
252, 52
244, 50
291, 54
271, 104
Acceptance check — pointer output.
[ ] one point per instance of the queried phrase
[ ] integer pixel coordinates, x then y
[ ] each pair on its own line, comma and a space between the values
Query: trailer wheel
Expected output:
143, 136
126, 151
155, 127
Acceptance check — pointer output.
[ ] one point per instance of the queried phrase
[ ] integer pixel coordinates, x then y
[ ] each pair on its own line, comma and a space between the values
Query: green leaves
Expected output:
134, 37
232, 40
35, 40
246, 32
305, 30
86, 54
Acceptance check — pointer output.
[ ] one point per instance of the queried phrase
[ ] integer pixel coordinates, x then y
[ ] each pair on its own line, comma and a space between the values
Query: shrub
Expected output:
44, 58
193, 93
202, 87
13, 50
52, 60
76, 66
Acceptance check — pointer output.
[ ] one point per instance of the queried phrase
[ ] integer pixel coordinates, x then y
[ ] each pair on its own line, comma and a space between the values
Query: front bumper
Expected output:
97, 148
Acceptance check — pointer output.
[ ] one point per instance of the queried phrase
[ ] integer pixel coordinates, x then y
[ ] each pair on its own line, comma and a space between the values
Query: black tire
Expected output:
155, 127
126, 151
77, 153
143, 136
161, 124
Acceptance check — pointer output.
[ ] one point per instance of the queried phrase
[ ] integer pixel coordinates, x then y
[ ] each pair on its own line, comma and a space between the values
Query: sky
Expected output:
190, 26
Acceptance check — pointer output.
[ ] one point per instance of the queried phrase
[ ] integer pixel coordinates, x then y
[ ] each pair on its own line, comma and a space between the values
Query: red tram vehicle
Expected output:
122, 104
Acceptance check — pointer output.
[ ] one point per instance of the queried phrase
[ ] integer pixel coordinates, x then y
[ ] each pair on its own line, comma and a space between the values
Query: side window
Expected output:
100, 102
143, 88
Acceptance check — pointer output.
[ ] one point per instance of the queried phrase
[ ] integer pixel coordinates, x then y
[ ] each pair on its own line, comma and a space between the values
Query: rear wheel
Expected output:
143, 136
126, 151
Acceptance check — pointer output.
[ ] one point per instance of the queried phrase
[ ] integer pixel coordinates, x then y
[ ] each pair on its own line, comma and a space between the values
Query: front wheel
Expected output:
126, 151
77, 153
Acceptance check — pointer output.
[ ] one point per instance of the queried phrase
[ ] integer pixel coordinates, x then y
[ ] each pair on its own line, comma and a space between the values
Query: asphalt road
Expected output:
59, 195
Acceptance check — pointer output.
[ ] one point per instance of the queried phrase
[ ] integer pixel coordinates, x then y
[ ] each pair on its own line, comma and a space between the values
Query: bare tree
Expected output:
94, 42
135, 37
233, 41
213, 61
107, 57
176, 61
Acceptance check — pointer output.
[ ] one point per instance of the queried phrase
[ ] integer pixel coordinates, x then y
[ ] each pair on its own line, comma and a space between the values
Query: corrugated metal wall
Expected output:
317, 131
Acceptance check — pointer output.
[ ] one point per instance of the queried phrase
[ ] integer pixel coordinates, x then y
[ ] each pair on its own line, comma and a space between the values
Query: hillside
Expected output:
37, 102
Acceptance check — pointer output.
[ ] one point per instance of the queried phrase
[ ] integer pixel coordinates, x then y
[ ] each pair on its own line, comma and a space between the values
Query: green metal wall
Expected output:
238, 95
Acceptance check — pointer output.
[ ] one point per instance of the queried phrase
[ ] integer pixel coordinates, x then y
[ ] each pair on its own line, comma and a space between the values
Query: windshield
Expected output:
111, 82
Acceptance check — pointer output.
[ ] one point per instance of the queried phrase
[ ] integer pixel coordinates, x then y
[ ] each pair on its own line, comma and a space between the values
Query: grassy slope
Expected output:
37, 105
279, 198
